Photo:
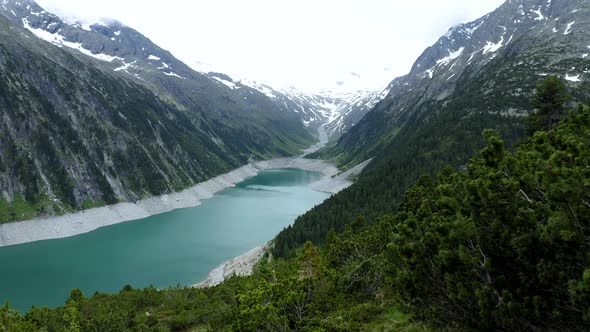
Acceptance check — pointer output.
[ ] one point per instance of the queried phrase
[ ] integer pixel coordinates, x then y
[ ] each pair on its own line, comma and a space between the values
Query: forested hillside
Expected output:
480, 75
447, 139
500, 245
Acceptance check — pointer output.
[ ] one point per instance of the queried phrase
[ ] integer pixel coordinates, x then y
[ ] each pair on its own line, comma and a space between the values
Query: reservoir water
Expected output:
175, 248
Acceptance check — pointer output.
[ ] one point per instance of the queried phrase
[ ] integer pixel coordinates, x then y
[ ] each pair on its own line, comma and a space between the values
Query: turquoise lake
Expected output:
175, 248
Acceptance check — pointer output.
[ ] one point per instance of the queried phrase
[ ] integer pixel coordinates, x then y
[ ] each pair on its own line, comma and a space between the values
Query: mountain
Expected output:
337, 107
488, 66
336, 110
497, 241
130, 54
97, 114
350, 109
480, 75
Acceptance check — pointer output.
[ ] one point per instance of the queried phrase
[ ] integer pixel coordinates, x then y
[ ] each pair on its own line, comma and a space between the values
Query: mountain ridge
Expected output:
80, 132
463, 53
127, 51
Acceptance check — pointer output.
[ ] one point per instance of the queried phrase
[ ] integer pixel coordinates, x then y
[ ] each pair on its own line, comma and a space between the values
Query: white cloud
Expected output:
308, 43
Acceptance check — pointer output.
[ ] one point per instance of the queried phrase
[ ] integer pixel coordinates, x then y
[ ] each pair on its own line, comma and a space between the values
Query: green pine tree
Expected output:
550, 100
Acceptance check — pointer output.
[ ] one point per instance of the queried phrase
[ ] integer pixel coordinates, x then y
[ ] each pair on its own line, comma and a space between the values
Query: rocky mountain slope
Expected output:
486, 66
128, 53
98, 114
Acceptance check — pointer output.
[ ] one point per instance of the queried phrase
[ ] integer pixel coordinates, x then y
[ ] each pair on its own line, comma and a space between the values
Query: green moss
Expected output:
20, 209
4, 211
90, 204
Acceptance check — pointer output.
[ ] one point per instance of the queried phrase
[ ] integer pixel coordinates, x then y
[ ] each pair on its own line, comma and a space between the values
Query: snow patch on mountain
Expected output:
229, 84
60, 41
471, 30
568, 29
540, 16
173, 74
98, 56
265, 89
573, 78
444, 61
452, 56
37, 13
493, 47
125, 66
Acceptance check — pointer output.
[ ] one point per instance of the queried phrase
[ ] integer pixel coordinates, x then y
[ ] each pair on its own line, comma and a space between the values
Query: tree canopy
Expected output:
550, 101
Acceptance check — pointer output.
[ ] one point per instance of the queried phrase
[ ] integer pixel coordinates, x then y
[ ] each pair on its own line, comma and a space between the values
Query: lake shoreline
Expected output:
242, 265
85, 221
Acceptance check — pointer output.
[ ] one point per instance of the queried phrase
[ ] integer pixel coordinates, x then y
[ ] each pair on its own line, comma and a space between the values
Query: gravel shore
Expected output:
240, 266
89, 220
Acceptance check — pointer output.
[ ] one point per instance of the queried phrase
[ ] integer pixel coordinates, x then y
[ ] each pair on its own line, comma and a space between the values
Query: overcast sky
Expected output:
310, 44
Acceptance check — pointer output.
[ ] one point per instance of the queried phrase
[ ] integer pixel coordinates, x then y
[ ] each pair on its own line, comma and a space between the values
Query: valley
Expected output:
73, 224
168, 195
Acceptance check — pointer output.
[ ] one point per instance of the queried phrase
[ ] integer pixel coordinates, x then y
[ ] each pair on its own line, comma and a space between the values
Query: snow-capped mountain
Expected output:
485, 68
129, 53
351, 109
124, 49
337, 107
337, 111
468, 48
